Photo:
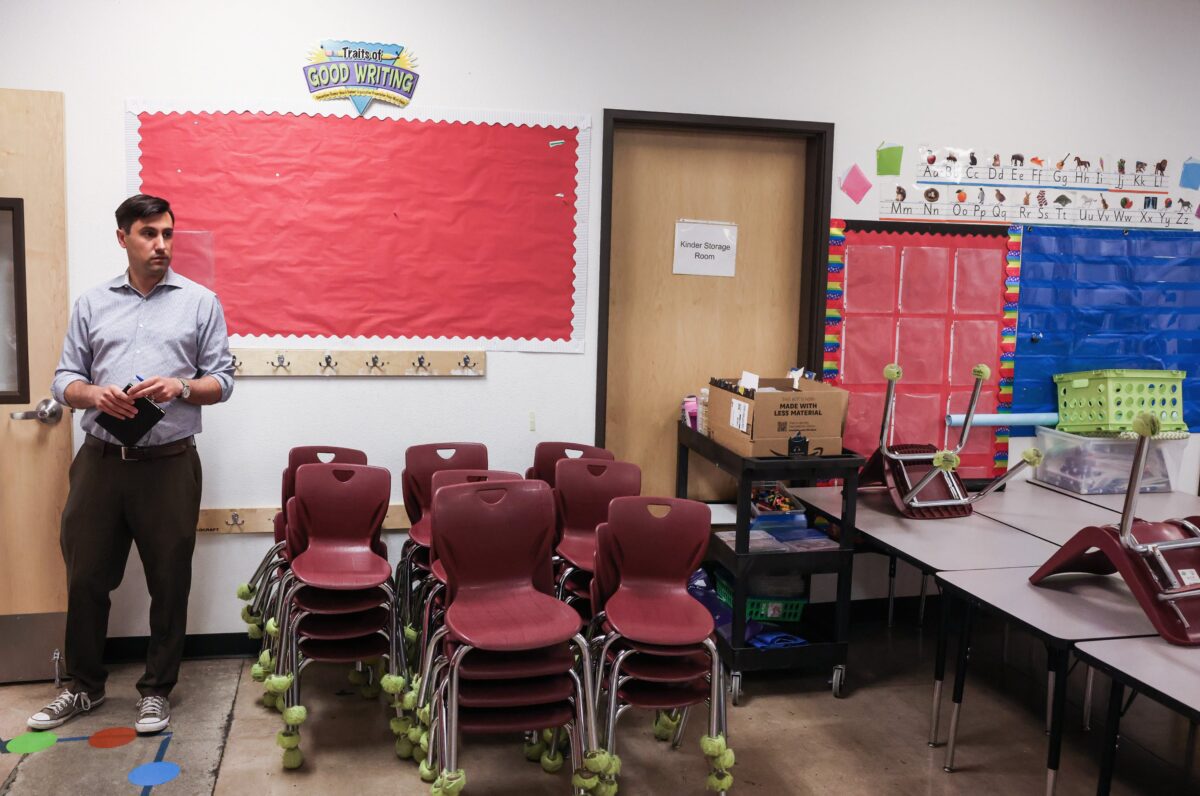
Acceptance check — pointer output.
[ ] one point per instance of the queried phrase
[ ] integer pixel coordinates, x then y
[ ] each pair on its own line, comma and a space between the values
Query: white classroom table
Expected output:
1063, 611
972, 542
1047, 514
1166, 673
1155, 506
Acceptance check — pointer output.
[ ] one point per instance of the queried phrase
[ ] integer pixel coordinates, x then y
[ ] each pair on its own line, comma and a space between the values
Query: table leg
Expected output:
1112, 730
1049, 693
960, 681
921, 603
1087, 698
939, 667
1058, 664
1189, 755
891, 590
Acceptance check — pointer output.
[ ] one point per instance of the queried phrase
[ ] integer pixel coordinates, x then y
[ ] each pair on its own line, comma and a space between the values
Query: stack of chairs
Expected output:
653, 641
336, 602
502, 661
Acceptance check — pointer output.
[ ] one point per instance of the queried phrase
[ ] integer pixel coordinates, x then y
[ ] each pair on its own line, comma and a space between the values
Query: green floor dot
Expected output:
31, 742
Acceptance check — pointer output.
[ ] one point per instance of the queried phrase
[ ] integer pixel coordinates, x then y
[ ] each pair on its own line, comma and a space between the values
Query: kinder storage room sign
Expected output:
705, 248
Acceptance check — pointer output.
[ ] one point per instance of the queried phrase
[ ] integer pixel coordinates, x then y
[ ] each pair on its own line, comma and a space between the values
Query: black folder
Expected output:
131, 430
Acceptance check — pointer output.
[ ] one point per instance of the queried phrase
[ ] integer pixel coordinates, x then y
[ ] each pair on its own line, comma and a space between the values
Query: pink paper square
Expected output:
870, 279
924, 280
855, 184
868, 343
973, 343
921, 350
978, 281
864, 413
919, 419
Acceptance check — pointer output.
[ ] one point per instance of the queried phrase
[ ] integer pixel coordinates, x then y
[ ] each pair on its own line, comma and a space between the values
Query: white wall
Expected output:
1023, 75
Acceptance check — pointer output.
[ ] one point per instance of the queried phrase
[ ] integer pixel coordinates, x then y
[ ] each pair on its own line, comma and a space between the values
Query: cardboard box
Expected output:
761, 426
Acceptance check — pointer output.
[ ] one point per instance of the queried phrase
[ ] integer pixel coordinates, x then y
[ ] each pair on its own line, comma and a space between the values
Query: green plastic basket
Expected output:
770, 609
1108, 400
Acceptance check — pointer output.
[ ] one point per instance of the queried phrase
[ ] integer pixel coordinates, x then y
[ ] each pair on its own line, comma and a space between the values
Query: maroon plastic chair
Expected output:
585, 487
547, 455
494, 539
450, 478
339, 509
416, 484
656, 649
429, 599
312, 454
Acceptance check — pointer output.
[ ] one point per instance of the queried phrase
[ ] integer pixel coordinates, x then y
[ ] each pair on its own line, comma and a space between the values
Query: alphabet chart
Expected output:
985, 186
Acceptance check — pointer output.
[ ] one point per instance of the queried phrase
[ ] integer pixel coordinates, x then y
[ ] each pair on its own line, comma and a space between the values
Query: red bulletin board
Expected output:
333, 226
933, 302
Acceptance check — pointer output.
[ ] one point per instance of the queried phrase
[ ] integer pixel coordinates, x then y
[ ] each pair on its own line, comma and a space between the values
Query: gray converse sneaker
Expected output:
65, 707
154, 714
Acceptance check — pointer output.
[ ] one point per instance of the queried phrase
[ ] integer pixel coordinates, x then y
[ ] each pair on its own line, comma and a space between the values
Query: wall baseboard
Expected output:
200, 645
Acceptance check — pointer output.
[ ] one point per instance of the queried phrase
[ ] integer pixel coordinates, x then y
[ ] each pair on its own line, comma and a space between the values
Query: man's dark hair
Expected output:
141, 206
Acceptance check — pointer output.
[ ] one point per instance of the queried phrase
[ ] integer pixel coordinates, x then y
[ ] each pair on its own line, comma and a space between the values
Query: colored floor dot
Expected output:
153, 774
112, 737
30, 742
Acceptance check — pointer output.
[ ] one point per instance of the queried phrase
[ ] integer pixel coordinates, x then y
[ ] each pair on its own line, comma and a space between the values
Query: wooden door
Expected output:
36, 455
668, 333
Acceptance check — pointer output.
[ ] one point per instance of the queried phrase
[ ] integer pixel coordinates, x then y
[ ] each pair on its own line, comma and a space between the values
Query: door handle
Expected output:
48, 411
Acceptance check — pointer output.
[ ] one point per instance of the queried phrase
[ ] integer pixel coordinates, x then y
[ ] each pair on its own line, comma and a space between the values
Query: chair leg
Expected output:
588, 731
452, 710
426, 628
677, 736
427, 665
614, 673
560, 587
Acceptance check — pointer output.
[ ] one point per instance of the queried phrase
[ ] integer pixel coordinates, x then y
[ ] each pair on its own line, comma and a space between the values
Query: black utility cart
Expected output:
828, 646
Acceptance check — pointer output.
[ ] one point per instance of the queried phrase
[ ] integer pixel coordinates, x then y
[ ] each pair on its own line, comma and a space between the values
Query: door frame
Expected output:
818, 190
21, 395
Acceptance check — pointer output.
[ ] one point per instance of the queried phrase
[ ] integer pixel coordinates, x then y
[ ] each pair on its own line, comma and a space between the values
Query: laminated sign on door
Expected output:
705, 248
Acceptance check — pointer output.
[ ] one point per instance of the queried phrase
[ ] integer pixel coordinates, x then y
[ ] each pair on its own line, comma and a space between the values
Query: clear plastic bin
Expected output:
1100, 465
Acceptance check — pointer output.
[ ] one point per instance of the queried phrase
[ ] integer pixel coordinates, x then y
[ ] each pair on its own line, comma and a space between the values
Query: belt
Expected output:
136, 453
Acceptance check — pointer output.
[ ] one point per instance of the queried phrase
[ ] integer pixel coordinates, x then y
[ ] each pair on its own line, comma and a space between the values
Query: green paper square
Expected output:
888, 158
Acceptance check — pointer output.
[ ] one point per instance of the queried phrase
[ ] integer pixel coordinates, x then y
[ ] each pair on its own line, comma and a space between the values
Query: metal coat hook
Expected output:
327, 361
375, 362
234, 520
466, 362
237, 363
422, 363
279, 362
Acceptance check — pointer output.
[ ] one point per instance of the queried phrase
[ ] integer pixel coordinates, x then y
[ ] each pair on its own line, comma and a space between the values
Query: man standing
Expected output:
154, 322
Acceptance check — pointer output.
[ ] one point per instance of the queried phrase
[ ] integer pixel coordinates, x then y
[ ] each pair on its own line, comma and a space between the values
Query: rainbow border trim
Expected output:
834, 301
1008, 341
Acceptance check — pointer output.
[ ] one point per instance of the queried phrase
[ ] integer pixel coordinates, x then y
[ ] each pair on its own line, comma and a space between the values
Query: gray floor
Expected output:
790, 735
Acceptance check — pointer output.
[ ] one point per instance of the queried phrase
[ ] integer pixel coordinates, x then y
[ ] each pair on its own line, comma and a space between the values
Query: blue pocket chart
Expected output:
1106, 298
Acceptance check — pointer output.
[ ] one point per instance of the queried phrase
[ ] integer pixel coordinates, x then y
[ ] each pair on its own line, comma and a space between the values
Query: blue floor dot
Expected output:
153, 774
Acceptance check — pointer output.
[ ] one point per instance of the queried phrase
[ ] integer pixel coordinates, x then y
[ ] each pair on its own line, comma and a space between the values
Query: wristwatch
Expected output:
187, 389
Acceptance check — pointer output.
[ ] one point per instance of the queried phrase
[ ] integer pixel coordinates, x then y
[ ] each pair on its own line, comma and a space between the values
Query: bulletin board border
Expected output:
834, 301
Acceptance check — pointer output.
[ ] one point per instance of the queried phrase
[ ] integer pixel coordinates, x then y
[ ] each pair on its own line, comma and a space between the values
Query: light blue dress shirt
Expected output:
116, 334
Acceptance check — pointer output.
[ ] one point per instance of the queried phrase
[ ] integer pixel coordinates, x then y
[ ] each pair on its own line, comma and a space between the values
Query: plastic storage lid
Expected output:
1118, 373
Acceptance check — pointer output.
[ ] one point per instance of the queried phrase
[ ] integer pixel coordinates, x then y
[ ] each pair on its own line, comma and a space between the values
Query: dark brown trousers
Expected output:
155, 504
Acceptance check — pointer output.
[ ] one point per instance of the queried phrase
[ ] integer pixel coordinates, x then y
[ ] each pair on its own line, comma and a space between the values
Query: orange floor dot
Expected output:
112, 737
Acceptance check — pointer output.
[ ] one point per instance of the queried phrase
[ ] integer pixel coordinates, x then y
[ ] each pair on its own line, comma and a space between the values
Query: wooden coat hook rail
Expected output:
329, 362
